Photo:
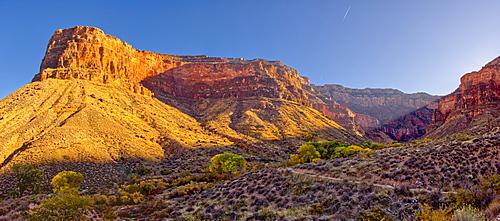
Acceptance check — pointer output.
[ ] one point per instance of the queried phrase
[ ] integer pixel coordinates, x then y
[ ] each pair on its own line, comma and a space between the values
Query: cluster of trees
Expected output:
316, 151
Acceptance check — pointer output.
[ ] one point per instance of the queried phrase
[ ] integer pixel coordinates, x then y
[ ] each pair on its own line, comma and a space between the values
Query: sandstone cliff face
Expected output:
382, 105
230, 79
87, 53
476, 99
474, 102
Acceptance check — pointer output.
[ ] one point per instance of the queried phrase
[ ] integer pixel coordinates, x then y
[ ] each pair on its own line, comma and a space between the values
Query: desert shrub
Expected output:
396, 144
374, 214
309, 136
463, 138
146, 187
308, 152
349, 150
317, 151
373, 146
425, 213
295, 159
62, 207
228, 163
27, 178
266, 214
67, 180
191, 188
468, 213
126, 198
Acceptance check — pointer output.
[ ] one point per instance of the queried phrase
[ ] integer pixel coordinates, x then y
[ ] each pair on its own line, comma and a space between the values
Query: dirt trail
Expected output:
309, 173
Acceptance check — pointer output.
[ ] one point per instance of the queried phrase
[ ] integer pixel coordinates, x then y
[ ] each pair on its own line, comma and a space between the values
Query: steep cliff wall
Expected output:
476, 99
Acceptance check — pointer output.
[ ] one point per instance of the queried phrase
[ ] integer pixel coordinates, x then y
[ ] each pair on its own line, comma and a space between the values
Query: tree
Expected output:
308, 152
347, 151
228, 163
67, 181
67, 204
62, 207
27, 178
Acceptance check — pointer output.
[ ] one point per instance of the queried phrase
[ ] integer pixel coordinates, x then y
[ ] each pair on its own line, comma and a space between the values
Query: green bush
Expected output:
62, 207
228, 163
68, 204
375, 214
309, 136
316, 151
27, 178
67, 180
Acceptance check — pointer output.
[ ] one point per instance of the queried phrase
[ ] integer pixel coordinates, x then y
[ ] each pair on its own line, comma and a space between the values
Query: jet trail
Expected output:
347, 12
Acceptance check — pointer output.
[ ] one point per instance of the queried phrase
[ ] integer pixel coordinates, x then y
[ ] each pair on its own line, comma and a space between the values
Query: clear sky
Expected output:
413, 46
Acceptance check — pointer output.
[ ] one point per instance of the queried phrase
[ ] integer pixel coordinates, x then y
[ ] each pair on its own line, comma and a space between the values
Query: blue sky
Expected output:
412, 46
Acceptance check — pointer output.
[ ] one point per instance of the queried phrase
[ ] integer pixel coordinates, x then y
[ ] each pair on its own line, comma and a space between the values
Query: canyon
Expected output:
164, 103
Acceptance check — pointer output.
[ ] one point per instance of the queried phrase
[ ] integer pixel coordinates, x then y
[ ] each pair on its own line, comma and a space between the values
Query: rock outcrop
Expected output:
230, 78
87, 53
475, 101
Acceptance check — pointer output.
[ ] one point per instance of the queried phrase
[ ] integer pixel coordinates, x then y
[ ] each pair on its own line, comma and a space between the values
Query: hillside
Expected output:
60, 120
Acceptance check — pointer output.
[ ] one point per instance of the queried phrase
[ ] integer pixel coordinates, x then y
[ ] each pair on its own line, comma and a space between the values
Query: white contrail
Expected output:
347, 12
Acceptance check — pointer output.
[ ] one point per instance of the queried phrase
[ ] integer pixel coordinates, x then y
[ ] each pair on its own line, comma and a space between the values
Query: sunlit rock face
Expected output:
87, 53
230, 78
475, 100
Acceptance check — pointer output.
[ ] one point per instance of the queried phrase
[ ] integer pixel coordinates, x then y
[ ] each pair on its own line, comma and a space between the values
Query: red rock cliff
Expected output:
87, 53
230, 78
478, 95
